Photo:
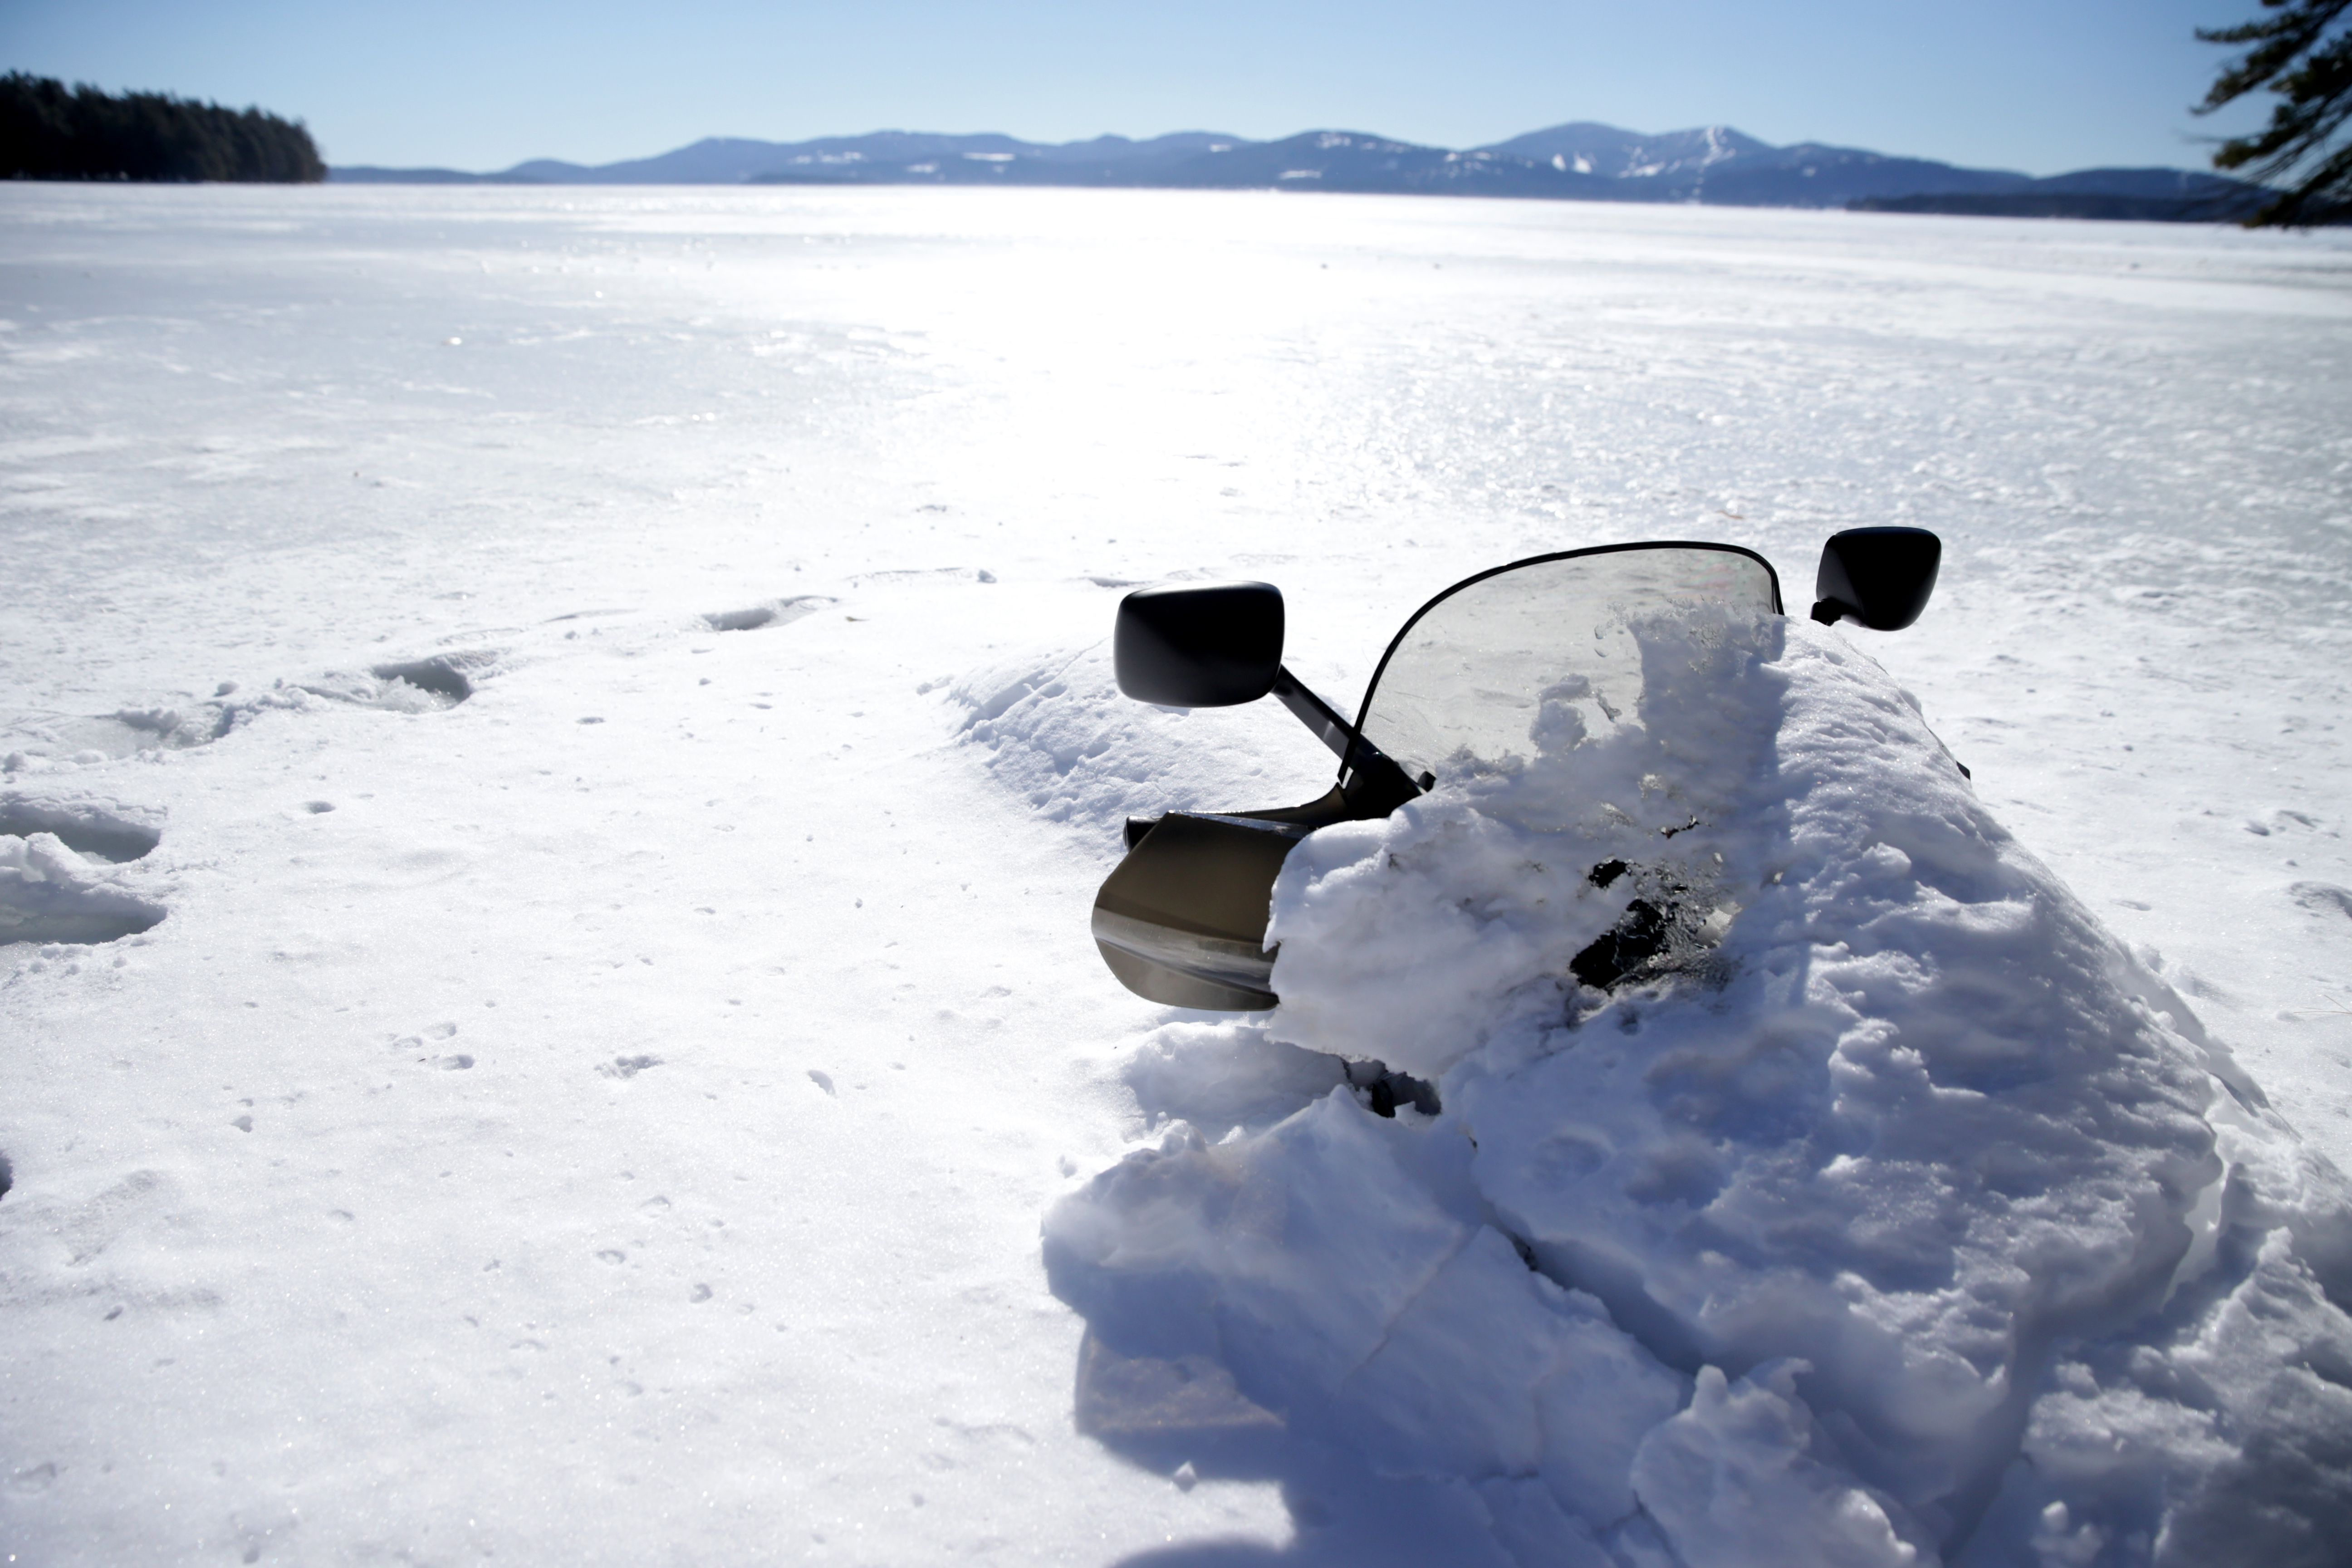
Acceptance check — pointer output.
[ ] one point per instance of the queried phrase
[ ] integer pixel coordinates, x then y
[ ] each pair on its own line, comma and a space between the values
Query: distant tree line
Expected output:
50, 131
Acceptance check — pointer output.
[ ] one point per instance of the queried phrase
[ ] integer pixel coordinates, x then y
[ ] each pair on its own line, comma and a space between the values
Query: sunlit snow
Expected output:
558, 746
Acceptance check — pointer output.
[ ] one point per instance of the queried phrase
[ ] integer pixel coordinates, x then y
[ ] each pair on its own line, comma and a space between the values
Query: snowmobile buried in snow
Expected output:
1182, 921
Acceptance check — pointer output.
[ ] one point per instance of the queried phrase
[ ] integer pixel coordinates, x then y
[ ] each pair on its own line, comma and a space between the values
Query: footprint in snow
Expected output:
92, 1227
627, 1066
449, 677
2322, 898
774, 612
420, 1044
110, 833
425, 685
59, 877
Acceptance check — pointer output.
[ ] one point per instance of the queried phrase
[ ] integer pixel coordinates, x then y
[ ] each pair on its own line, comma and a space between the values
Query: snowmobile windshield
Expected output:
1466, 676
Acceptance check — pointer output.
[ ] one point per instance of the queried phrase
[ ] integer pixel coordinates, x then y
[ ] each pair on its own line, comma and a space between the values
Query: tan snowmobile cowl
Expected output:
1182, 920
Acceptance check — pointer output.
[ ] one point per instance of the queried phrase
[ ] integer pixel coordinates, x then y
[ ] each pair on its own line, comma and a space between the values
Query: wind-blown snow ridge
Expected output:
1917, 1221
1059, 735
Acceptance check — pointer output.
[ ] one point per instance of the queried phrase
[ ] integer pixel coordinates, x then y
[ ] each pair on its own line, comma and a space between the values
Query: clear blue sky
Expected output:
2037, 85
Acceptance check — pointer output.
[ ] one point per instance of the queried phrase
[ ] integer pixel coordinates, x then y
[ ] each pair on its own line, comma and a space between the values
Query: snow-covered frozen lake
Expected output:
623, 1004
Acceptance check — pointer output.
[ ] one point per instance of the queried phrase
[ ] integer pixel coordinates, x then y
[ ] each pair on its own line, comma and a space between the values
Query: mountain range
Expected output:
1582, 160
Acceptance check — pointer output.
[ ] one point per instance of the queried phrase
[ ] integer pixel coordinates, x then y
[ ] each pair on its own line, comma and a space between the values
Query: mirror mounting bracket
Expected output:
1314, 712
1370, 779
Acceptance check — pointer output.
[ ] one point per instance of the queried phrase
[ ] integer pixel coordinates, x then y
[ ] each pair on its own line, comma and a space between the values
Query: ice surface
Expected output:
618, 1129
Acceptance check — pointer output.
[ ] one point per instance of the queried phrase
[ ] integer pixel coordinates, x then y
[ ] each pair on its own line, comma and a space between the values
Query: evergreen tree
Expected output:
48, 132
2303, 56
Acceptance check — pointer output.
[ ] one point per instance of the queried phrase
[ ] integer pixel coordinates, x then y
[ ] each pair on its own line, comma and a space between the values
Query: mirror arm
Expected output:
1314, 712
1370, 770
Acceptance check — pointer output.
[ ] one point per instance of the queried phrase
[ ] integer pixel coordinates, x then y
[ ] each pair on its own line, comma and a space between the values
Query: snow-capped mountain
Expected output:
1579, 161
1588, 147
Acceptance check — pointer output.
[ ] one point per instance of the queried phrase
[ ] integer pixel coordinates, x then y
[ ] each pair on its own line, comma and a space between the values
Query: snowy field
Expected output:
558, 748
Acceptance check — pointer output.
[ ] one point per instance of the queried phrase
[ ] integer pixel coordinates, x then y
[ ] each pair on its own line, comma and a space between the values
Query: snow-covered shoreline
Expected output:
622, 1122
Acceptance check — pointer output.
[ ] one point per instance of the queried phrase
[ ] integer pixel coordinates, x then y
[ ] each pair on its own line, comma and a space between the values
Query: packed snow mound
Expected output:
1886, 1211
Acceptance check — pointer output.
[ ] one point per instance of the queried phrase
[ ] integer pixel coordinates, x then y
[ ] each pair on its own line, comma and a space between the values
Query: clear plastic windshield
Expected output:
1465, 679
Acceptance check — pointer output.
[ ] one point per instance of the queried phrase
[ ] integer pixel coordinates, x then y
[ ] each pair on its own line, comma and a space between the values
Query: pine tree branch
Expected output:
2310, 72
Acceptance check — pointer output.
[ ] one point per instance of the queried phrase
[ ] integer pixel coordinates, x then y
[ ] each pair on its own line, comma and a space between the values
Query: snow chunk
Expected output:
1227, 1075
1733, 1484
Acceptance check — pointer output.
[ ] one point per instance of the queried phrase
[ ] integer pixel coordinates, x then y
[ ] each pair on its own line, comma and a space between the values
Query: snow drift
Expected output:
1059, 736
1886, 1211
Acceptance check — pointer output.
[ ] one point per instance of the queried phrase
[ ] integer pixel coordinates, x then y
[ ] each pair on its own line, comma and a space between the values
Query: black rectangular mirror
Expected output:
1209, 644
1879, 576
